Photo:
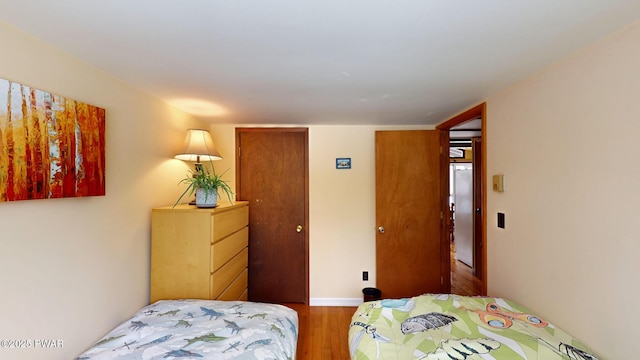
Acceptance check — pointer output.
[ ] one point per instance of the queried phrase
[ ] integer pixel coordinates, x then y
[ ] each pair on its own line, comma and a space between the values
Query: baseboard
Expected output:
335, 301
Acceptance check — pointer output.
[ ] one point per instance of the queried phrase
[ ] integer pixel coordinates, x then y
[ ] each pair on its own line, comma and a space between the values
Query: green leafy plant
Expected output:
207, 180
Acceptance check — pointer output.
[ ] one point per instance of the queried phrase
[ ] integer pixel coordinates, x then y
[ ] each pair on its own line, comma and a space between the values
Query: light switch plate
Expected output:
498, 183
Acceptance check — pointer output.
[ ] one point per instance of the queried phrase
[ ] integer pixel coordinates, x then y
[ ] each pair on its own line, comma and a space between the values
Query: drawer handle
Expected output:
299, 228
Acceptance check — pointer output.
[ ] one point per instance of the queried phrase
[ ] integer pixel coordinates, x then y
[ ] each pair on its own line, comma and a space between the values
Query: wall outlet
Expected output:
501, 220
365, 276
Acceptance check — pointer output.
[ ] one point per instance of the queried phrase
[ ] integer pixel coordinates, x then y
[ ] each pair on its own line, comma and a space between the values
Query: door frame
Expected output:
478, 111
238, 131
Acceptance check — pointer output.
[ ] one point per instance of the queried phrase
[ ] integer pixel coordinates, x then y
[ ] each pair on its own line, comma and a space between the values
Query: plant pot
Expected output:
206, 199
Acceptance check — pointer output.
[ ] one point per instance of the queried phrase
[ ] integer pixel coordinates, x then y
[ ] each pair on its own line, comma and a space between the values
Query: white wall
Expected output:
71, 269
342, 225
566, 141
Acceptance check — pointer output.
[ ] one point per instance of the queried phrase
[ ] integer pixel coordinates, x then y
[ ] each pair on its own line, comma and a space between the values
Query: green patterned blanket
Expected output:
434, 327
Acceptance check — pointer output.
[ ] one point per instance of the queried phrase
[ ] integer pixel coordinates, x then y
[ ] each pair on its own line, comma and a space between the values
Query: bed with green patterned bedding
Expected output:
442, 326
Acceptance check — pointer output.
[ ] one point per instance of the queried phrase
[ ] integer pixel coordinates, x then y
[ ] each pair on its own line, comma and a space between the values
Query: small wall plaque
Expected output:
343, 163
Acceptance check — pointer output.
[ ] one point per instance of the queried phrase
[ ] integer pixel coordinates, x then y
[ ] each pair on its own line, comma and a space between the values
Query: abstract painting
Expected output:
50, 146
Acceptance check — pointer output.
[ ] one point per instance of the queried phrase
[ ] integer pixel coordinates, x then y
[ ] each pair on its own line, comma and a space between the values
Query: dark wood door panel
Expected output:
477, 203
272, 169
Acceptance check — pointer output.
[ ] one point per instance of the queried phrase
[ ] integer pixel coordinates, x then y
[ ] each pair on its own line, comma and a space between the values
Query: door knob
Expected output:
381, 229
299, 228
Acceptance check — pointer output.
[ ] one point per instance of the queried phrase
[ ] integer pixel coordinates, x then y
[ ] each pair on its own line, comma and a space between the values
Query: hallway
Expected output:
463, 281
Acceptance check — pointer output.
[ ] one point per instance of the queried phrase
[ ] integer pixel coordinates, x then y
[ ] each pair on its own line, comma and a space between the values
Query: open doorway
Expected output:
467, 201
466, 261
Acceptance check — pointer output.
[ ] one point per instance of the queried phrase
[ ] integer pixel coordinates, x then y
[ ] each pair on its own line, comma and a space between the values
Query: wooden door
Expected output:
409, 217
478, 185
272, 173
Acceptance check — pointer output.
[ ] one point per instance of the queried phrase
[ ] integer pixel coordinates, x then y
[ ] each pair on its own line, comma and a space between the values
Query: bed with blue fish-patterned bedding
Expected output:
202, 329
440, 326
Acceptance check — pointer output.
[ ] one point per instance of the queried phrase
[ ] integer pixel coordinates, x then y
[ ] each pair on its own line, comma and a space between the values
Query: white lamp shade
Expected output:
198, 146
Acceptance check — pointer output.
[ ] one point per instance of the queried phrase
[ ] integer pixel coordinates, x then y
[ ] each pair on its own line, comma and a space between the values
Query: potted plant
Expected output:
205, 184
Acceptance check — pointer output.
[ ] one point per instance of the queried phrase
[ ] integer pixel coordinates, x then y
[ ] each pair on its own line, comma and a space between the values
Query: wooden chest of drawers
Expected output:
199, 253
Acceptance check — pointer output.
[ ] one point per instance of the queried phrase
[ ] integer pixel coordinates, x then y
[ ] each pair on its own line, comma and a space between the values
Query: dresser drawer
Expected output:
198, 253
222, 279
228, 222
225, 250
237, 289
245, 295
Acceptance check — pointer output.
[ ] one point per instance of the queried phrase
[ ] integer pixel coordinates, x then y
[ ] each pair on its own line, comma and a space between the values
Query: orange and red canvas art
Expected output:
50, 146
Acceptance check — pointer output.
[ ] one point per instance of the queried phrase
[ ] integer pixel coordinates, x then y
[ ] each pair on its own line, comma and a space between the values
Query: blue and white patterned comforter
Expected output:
202, 329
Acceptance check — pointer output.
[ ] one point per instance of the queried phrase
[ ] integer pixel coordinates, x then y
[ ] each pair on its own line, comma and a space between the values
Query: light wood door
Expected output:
409, 237
272, 165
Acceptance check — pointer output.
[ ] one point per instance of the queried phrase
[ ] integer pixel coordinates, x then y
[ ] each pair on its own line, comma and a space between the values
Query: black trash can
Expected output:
371, 294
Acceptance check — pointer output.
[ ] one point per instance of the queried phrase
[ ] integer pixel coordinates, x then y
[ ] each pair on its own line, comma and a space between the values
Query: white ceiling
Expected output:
320, 61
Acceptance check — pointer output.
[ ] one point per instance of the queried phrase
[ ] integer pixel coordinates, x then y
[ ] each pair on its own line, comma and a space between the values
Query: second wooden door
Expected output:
409, 241
272, 174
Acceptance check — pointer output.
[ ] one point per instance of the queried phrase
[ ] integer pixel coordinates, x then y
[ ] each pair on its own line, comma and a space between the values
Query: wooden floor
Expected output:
463, 281
324, 330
